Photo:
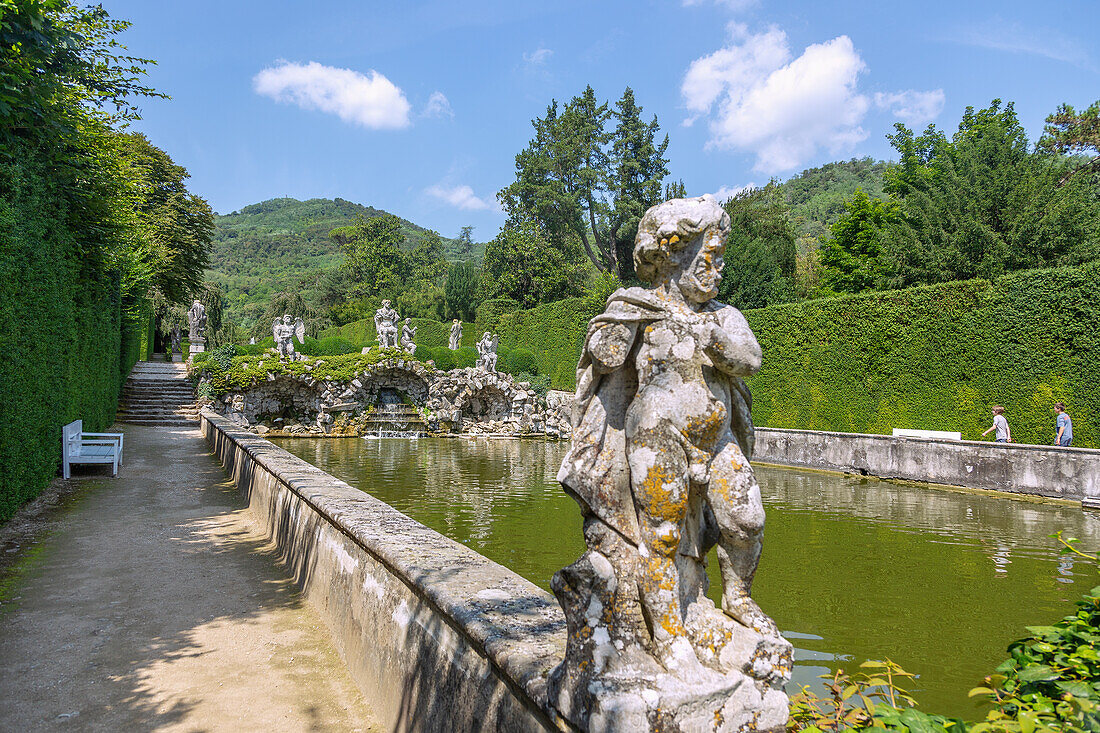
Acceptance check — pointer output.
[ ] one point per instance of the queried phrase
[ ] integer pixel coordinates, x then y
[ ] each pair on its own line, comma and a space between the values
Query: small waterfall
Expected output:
393, 418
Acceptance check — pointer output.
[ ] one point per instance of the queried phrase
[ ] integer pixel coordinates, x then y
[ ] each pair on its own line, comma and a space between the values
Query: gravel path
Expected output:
151, 602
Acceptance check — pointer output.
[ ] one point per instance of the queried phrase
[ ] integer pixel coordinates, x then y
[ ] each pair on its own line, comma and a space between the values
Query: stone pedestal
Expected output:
176, 356
198, 345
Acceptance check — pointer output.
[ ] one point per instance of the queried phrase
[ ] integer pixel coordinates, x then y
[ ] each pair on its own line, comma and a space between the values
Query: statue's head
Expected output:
197, 302
287, 319
408, 320
456, 320
681, 242
385, 304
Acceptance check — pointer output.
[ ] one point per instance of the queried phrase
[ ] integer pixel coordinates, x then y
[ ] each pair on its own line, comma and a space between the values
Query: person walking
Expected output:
1064, 425
1000, 424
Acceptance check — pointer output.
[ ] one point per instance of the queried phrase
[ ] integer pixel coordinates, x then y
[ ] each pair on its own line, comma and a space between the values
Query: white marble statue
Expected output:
659, 464
408, 333
196, 319
385, 324
487, 352
285, 331
456, 335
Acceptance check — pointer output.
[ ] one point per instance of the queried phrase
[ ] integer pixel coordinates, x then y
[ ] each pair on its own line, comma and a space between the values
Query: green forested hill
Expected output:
817, 195
272, 246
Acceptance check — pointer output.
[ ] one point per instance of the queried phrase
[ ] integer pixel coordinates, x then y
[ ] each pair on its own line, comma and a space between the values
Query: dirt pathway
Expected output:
153, 603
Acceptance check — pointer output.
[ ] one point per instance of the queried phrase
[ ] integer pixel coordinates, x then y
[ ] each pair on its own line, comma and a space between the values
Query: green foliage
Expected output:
373, 254
582, 185
90, 219
936, 357
539, 382
444, 358
524, 265
1070, 133
465, 357
868, 700
817, 196
280, 244
553, 332
760, 250
328, 346
422, 353
521, 361
461, 290
489, 313
980, 204
243, 372
853, 257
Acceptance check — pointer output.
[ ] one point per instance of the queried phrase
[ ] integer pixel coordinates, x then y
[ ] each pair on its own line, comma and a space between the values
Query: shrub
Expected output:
443, 357
223, 356
539, 382
522, 361
199, 358
466, 357
422, 353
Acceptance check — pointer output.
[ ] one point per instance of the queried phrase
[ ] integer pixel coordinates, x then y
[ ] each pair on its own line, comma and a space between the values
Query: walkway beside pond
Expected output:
153, 603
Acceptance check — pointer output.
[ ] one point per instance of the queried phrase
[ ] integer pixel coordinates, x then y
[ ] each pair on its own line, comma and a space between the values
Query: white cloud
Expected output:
725, 193
461, 197
914, 108
438, 106
370, 100
1001, 35
759, 99
538, 57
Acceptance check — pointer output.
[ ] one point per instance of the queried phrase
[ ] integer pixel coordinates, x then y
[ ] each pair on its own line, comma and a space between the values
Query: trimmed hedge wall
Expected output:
937, 358
431, 334
64, 346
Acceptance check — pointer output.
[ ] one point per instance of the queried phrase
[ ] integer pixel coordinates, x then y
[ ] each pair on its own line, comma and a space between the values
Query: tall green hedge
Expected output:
937, 357
431, 334
65, 347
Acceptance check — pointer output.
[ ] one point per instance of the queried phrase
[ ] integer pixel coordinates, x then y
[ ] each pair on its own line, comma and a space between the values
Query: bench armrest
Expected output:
117, 436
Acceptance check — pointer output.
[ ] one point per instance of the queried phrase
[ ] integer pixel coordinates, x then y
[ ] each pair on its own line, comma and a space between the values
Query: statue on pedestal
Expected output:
408, 333
284, 332
177, 346
385, 324
659, 464
456, 335
487, 352
196, 318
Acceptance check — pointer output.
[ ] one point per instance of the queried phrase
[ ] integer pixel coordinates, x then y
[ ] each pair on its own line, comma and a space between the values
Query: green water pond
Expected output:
853, 568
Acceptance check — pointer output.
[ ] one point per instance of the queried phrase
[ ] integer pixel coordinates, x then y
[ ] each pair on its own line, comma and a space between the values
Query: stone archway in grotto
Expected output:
286, 398
390, 383
490, 402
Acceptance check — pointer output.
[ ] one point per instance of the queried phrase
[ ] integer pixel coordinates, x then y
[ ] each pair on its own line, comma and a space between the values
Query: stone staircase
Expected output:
158, 393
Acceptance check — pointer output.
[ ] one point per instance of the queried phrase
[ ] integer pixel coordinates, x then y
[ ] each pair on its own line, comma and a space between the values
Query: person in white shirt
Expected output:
1000, 424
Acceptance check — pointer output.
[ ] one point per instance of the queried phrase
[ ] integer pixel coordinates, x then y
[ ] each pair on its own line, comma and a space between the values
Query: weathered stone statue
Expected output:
456, 335
385, 324
659, 465
285, 332
196, 318
408, 333
177, 344
487, 352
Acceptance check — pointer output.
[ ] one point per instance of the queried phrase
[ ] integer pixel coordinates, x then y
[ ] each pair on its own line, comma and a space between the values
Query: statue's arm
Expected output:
733, 348
609, 344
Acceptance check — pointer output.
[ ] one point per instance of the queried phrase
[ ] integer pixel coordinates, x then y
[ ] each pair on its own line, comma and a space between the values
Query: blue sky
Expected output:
420, 108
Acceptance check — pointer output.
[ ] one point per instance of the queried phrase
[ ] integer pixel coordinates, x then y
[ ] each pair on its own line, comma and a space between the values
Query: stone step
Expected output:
165, 423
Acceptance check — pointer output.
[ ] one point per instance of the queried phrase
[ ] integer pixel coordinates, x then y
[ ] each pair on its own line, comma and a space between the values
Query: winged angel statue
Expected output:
285, 332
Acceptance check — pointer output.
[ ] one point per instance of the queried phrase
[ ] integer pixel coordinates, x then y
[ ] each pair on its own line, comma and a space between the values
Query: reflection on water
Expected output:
853, 569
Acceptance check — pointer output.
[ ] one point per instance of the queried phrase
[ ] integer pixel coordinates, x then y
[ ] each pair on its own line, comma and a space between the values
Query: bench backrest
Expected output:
71, 438
928, 434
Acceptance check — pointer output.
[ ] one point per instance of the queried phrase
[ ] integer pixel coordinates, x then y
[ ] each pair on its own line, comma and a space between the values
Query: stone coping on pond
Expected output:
515, 626
1049, 471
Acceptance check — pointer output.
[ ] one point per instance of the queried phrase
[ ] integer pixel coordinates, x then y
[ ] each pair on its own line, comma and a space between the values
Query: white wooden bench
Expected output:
927, 434
80, 447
